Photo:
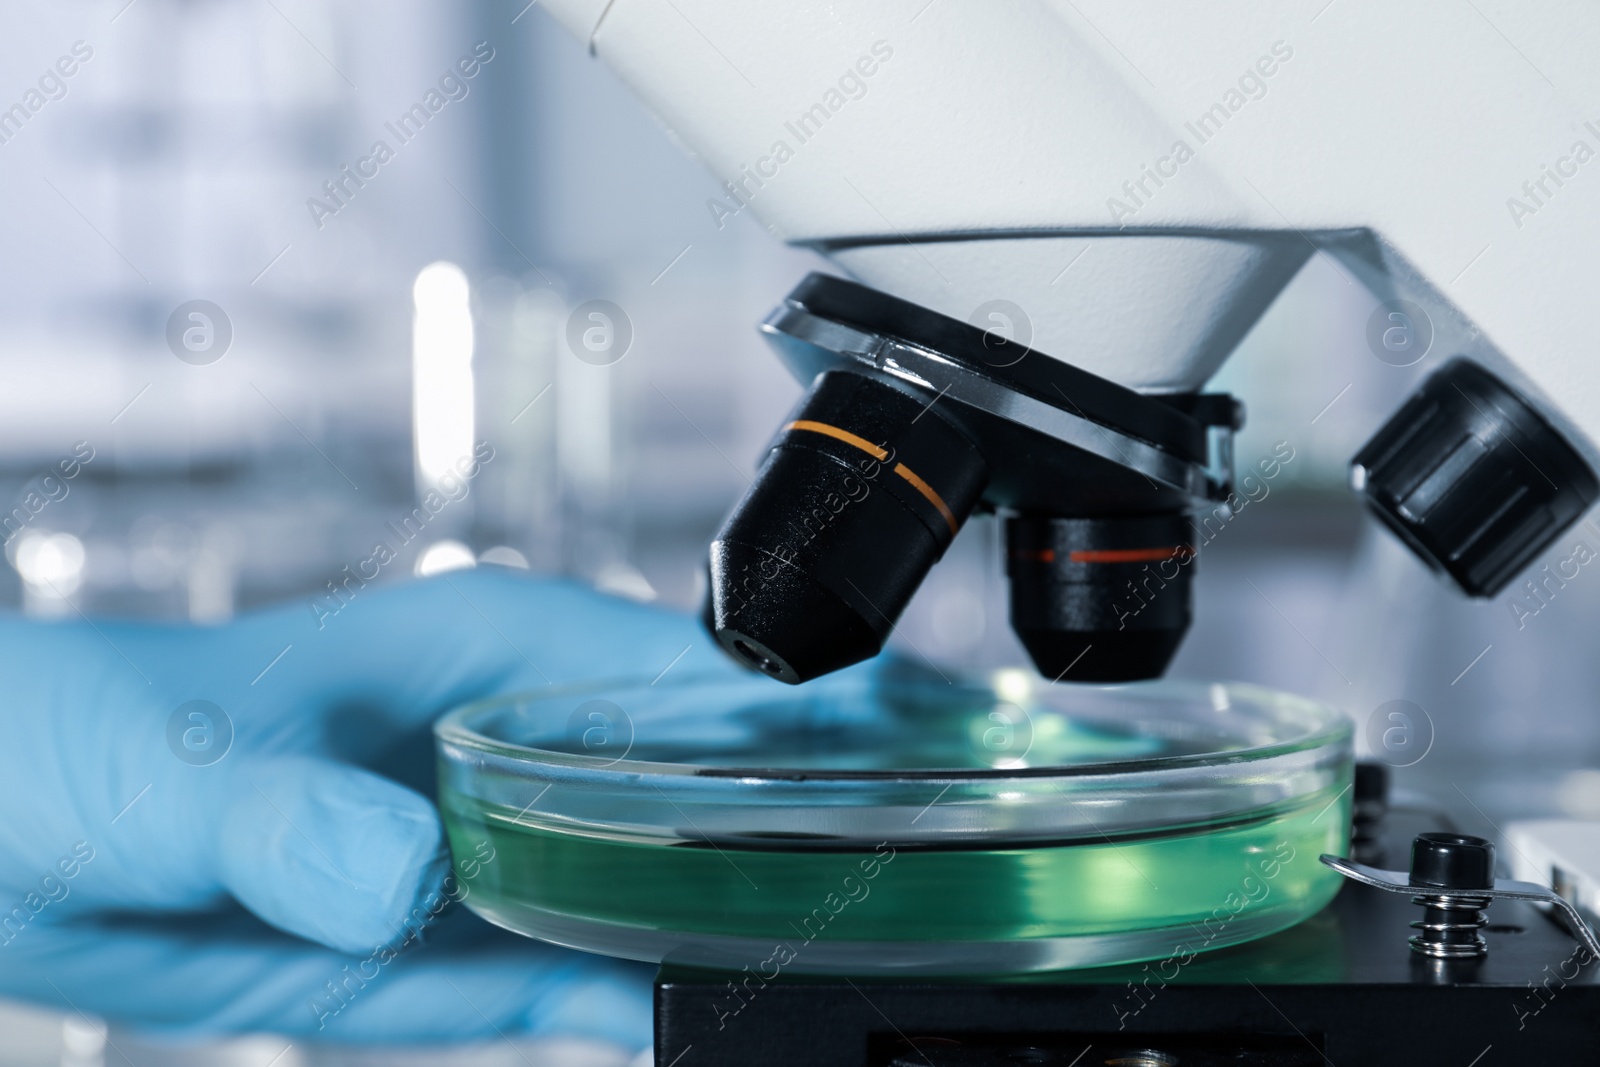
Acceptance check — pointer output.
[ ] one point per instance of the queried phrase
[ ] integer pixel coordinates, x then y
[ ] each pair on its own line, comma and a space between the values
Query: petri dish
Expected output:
891, 823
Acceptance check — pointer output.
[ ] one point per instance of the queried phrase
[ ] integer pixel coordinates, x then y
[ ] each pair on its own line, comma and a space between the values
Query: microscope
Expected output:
1057, 219
1060, 220
914, 419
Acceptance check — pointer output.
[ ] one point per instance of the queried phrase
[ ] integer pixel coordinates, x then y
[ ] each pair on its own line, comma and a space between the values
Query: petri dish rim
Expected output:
1330, 729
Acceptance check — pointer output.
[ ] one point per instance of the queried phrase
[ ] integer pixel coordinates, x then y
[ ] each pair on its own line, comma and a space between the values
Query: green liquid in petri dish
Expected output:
1212, 885
679, 850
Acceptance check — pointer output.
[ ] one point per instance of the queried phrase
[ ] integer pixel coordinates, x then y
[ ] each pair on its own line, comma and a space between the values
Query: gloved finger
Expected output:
417, 649
330, 852
458, 979
463, 635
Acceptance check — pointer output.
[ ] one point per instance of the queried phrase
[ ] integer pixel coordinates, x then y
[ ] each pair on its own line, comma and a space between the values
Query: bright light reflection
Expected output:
1012, 684
441, 363
51, 563
444, 556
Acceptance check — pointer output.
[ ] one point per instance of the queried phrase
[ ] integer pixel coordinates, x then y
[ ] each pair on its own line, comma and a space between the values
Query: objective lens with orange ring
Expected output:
861, 493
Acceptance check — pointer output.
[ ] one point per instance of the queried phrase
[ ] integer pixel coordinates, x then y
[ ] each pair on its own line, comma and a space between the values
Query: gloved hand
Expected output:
120, 855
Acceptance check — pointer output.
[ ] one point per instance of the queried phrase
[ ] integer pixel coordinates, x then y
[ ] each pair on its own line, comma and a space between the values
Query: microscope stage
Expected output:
1342, 987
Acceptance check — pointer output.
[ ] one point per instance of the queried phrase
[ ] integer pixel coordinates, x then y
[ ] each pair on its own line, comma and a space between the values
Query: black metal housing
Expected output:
807, 578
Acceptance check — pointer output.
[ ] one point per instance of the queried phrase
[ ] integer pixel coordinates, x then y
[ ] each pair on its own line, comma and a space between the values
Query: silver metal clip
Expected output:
1503, 889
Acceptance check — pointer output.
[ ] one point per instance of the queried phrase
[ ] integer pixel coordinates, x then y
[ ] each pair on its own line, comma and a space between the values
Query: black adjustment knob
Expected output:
1452, 861
1450, 924
1472, 478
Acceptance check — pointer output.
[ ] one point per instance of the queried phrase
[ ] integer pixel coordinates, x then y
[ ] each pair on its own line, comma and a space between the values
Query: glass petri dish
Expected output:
883, 824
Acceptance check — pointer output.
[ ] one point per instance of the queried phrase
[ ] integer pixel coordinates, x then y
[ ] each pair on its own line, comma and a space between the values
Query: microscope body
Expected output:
1125, 187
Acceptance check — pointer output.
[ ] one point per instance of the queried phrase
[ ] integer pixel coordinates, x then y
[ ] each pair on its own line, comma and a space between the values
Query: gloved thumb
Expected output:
328, 851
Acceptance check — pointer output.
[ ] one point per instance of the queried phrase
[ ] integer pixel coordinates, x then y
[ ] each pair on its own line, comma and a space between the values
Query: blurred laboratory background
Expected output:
272, 338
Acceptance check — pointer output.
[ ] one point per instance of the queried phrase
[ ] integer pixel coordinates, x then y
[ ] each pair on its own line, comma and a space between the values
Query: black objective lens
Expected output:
1100, 599
864, 489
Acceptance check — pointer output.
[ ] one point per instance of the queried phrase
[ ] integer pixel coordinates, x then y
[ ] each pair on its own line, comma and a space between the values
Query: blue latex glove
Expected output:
120, 862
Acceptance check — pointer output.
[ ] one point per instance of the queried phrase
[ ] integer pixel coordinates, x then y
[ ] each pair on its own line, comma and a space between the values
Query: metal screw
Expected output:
1450, 924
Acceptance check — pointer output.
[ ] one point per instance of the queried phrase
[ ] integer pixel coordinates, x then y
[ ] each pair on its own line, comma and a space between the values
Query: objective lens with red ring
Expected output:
1102, 598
